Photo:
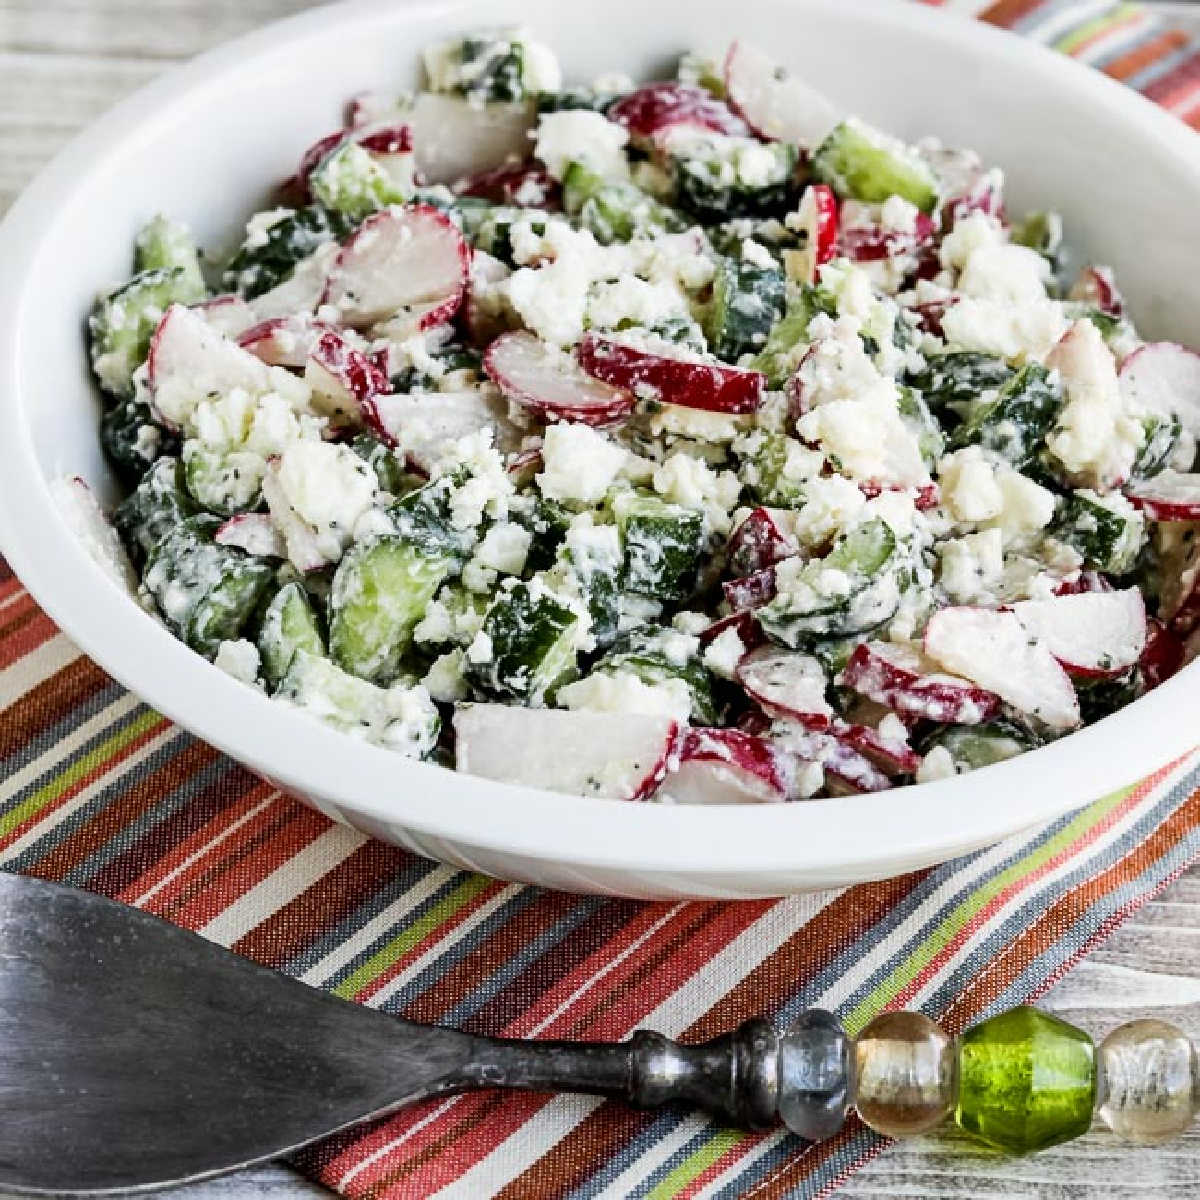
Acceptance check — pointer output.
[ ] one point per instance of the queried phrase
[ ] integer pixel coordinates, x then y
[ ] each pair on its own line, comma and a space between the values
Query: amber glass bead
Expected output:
1150, 1078
1026, 1080
904, 1076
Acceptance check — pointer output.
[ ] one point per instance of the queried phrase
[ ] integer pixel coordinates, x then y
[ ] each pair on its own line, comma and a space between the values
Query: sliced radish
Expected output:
848, 772
872, 243
994, 650
817, 219
398, 258
748, 629
758, 542
621, 756
1097, 286
774, 103
253, 532
389, 143
1095, 635
78, 506
417, 318
1165, 378
385, 139
925, 495
229, 314
978, 192
1083, 581
727, 766
690, 382
1178, 570
301, 292
522, 185
523, 465
1163, 655
899, 676
369, 108
343, 379
787, 684
453, 138
424, 424
191, 361
891, 756
551, 383
312, 158
660, 107
1168, 496
283, 341
750, 591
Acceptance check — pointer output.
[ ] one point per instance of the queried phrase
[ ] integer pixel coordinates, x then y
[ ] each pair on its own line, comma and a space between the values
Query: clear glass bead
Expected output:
904, 1077
814, 1075
1151, 1081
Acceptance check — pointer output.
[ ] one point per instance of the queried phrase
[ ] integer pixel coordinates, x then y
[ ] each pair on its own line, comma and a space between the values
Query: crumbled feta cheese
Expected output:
504, 548
832, 504
1018, 331
757, 255
1009, 274
683, 479
968, 485
328, 487
582, 136
691, 623
625, 692
444, 681
630, 300
937, 764
696, 423
975, 231
579, 463
239, 659
1027, 507
480, 650
436, 625
972, 566
899, 215
724, 652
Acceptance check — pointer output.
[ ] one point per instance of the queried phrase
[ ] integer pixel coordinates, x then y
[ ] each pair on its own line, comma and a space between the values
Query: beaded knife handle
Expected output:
1020, 1081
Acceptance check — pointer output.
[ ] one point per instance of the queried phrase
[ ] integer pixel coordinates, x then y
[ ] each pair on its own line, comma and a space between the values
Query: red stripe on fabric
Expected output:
1140, 57
1007, 13
48, 703
26, 631
1177, 82
51, 868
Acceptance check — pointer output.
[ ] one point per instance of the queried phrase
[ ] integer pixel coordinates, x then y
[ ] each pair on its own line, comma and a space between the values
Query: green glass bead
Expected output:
1026, 1081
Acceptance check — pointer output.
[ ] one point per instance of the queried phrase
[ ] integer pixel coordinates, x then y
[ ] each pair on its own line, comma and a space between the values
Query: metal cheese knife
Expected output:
135, 1055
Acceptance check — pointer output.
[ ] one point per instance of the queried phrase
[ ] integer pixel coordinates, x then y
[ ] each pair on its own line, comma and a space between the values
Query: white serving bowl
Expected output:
205, 142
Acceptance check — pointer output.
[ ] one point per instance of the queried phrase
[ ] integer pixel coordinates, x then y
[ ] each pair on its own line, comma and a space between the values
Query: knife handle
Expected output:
752, 1077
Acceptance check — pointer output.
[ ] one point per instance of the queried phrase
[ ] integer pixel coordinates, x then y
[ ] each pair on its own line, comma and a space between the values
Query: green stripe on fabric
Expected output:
412, 935
697, 1163
82, 767
954, 921
1068, 43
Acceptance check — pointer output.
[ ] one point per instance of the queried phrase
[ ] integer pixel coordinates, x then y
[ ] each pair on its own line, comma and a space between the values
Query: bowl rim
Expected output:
806, 842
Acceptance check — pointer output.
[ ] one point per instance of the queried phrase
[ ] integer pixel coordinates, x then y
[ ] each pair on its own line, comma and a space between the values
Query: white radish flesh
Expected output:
1165, 378
424, 424
1094, 634
787, 684
453, 138
727, 766
774, 103
1168, 496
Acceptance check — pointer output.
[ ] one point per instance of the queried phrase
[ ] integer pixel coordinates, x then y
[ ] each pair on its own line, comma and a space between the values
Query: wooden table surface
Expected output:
62, 63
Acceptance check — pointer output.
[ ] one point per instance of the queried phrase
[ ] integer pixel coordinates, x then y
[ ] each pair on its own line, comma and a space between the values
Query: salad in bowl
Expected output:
690, 441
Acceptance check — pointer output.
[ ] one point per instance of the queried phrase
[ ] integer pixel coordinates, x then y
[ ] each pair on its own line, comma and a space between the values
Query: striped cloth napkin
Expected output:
98, 791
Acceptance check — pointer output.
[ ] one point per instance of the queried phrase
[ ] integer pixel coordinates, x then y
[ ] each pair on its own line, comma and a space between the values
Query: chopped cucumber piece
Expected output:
1107, 530
663, 545
268, 259
701, 71
924, 425
592, 556
487, 69
788, 338
168, 246
226, 482
718, 177
951, 382
492, 232
123, 322
651, 654
205, 592
1014, 424
133, 440
380, 591
747, 303
158, 504
289, 625
768, 471
1162, 436
389, 467
861, 163
976, 746
865, 550
399, 718
1102, 697
424, 518
548, 522
1043, 232
351, 180
527, 645
614, 210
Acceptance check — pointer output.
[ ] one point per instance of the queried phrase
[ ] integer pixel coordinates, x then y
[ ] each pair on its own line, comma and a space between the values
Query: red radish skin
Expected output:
344, 380
901, 678
848, 772
981, 196
521, 185
925, 497
1163, 655
1084, 581
283, 341
748, 629
659, 107
734, 768
1097, 286
1165, 378
873, 243
892, 758
758, 542
253, 532
786, 685
314, 156
994, 650
417, 318
751, 591
776, 105
1095, 635
620, 756
397, 259
551, 384
692, 384
817, 219
1168, 496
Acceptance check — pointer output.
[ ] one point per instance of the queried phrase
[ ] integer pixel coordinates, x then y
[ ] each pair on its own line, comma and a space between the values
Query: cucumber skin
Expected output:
709, 200
1097, 533
748, 301
226, 585
289, 624
1016, 423
663, 544
861, 164
790, 331
959, 377
380, 591
530, 635
159, 503
120, 436
254, 270
635, 652
614, 210
167, 245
